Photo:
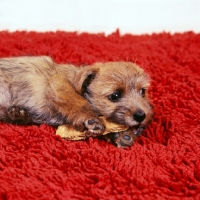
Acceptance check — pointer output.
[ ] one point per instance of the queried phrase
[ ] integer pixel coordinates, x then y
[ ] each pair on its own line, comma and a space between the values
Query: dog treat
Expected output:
71, 134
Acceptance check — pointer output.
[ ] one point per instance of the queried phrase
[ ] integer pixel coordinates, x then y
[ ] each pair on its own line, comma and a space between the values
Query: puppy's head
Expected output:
117, 90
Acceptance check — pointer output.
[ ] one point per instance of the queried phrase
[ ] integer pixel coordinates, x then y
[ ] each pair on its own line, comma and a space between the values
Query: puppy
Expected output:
35, 90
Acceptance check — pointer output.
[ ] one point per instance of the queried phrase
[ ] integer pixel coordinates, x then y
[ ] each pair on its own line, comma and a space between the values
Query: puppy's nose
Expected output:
139, 115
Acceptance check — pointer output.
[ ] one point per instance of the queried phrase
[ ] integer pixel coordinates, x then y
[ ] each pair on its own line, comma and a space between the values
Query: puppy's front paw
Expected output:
94, 127
123, 139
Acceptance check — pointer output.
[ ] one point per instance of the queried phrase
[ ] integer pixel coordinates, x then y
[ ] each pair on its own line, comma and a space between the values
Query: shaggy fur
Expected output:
35, 90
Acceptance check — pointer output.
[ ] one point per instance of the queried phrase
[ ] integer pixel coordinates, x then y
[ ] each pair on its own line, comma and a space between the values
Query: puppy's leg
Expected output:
77, 110
18, 115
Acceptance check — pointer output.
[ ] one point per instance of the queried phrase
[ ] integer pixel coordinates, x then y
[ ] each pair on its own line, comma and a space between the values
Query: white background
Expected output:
130, 16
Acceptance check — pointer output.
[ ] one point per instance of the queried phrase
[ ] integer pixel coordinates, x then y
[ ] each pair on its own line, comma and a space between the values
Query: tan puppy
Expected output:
35, 90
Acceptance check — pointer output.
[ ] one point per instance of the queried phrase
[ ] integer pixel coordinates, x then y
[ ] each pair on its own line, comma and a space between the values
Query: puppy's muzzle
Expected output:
123, 115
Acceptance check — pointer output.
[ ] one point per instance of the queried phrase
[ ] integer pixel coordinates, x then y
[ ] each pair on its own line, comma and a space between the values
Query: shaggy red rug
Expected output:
163, 164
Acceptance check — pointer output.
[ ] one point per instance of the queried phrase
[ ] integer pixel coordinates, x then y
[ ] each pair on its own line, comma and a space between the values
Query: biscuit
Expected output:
68, 132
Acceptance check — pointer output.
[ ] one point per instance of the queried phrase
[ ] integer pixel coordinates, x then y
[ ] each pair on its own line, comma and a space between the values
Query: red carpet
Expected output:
163, 164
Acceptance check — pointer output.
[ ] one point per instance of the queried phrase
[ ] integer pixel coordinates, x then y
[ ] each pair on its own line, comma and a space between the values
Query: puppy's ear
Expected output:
84, 77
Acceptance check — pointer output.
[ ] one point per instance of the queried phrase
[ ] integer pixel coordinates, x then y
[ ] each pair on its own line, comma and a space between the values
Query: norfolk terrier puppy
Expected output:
35, 90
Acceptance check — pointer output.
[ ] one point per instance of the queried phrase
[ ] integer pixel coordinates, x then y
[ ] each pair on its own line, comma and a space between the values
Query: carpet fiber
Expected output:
163, 164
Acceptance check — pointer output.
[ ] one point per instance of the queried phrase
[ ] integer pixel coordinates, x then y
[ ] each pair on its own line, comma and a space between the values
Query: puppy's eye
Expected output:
142, 92
115, 96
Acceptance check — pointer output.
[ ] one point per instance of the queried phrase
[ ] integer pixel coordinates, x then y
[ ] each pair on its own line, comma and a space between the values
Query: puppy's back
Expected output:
23, 78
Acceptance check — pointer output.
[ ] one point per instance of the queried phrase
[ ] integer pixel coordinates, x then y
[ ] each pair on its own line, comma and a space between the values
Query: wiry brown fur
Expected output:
58, 94
116, 76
